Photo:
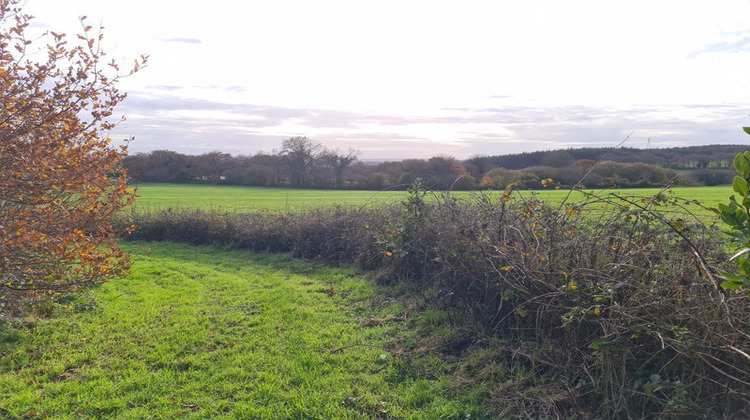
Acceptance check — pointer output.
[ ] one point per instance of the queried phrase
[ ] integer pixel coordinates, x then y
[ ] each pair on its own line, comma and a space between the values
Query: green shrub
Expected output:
619, 306
736, 215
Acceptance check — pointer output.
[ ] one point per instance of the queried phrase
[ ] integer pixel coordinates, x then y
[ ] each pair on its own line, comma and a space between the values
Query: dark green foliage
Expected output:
692, 157
712, 177
736, 215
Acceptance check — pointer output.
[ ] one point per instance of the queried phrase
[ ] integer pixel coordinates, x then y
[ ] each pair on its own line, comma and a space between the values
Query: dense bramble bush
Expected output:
621, 306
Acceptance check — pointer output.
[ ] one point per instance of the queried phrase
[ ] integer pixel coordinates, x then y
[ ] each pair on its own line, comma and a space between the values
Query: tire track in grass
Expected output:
197, 332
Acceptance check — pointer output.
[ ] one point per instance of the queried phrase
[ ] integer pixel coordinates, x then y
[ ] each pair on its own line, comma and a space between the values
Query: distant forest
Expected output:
304, 163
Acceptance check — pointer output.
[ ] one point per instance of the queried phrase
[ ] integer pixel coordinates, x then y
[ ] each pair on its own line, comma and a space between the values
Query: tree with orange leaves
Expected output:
60, 179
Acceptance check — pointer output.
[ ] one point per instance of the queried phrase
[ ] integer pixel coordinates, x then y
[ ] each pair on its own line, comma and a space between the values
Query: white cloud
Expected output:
458, 76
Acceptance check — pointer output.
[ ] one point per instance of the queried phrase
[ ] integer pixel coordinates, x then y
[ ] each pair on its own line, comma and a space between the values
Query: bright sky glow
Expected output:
408, 78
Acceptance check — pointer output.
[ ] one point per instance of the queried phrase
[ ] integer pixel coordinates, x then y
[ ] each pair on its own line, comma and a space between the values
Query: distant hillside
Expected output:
693, 157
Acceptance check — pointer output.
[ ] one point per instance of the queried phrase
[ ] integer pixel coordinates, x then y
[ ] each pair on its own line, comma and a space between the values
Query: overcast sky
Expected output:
398, 79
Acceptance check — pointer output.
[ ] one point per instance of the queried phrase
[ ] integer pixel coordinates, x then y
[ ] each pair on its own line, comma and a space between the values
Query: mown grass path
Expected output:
206, 333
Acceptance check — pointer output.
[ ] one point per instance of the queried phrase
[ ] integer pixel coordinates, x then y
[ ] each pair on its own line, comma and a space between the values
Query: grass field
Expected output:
206, 333
223, 198
156, 197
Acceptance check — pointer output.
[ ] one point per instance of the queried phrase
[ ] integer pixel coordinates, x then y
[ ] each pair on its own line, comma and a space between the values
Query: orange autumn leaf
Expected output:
61, 183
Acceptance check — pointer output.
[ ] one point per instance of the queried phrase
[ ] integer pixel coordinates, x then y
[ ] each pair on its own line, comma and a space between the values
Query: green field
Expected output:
205, 333
157, 197
222, 198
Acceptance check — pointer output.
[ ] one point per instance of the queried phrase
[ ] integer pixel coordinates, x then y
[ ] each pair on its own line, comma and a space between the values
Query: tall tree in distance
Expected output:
337, 162
60, 179
300, 154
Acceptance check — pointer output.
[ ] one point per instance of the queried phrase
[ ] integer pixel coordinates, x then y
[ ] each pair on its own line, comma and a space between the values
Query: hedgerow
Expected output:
620, 307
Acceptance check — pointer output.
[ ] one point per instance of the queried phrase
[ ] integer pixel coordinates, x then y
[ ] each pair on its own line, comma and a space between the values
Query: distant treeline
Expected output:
305, 163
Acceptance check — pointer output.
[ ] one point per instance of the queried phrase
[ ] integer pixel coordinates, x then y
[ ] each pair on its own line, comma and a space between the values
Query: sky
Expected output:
415, 79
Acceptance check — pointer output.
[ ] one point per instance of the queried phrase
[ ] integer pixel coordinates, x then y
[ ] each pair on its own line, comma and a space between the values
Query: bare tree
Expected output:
337, 162
300, 154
